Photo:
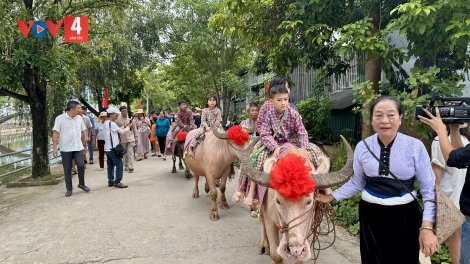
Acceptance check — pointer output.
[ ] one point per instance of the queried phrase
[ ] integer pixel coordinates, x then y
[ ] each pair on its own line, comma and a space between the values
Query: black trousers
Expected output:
161, 142
67, 158
389, 234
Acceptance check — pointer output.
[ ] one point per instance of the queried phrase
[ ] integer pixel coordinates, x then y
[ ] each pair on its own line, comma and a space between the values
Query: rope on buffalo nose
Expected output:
321, 211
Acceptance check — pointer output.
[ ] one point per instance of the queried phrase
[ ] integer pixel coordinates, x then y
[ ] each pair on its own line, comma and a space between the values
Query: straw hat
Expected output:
140, 111
104, 113
448, 217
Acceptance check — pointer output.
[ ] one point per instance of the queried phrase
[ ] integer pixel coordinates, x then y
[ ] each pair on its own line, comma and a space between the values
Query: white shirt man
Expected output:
69, 133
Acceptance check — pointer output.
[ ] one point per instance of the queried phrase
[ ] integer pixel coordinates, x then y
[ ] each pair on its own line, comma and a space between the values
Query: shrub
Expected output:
316, 115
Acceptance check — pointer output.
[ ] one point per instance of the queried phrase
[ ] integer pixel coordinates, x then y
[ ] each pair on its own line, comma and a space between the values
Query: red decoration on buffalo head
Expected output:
291, 178
182, 136
237, 135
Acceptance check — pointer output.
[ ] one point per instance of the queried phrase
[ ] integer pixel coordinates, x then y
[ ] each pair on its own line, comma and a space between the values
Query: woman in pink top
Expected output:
143, 144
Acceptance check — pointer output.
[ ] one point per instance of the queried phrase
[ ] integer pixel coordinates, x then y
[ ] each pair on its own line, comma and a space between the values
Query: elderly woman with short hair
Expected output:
393, 230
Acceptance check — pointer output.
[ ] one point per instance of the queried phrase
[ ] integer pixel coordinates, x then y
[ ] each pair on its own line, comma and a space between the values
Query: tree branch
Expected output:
402, 71
90, 108
67, 8
5, 92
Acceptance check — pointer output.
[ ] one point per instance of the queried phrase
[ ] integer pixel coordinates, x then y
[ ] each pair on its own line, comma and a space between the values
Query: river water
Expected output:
16, 144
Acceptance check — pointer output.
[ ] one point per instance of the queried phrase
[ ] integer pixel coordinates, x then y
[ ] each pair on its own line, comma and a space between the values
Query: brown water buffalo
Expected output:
179, 153
212, 159
294, 217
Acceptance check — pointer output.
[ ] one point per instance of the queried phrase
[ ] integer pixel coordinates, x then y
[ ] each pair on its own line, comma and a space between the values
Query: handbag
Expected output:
119, 150
448, 217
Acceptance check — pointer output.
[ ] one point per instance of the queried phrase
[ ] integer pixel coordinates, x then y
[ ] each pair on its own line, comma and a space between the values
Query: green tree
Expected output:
322, 33
30, 67
160, 96
197, 60
115, 59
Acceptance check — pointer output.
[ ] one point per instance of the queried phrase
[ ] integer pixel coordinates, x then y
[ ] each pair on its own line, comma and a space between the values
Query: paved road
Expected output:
155, 220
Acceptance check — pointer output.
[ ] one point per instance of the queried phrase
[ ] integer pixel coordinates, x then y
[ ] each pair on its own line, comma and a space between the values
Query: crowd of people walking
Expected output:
77, 135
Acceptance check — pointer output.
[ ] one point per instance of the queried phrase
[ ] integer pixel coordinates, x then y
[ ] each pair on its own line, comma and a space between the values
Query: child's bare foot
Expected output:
236, 197
248, 201
190, 153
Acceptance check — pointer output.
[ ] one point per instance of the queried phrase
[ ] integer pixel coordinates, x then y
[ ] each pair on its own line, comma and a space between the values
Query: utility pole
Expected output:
147, 105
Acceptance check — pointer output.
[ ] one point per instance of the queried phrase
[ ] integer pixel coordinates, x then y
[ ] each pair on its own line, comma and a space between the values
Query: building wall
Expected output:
303, 80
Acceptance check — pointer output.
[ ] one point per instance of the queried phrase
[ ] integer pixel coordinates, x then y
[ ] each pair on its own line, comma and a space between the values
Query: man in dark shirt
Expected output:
456, 155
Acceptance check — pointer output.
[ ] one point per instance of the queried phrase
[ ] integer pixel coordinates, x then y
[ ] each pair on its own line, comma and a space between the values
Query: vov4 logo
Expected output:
75, 28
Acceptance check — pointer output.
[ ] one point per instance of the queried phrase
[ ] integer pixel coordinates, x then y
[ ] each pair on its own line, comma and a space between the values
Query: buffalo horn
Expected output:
337, 177
217, 133
260, 177
250, 130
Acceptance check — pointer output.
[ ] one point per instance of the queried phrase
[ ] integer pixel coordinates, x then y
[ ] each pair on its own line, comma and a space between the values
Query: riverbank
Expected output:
15, 132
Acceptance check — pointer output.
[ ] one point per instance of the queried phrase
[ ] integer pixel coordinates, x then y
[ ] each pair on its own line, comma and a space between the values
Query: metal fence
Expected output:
18, 153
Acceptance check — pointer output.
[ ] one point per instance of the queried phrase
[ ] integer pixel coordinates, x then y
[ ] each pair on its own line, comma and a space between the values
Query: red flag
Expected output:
105, 98
138, 104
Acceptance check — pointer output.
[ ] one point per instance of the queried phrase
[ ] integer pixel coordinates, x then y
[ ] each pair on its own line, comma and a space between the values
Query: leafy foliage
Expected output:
32, 68
200, 61
316, 116
287, 33
420, 77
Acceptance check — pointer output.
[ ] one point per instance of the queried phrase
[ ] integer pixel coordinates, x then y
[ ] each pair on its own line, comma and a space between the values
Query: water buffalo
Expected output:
293, 218
212, 159
179, 152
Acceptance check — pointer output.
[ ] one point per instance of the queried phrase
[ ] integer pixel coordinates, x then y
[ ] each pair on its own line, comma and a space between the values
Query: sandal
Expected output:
145, 157
139, 159
154, 155
254, 214
74, 172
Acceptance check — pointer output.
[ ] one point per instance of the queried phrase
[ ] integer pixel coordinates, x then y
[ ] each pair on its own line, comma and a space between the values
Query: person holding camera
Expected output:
111, 140
457, 155
451, 181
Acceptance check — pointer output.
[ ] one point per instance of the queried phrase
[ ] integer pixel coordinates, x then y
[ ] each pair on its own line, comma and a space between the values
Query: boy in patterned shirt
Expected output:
280, 124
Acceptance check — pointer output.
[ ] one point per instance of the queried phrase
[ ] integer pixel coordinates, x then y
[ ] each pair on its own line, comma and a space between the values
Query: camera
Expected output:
454, 110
